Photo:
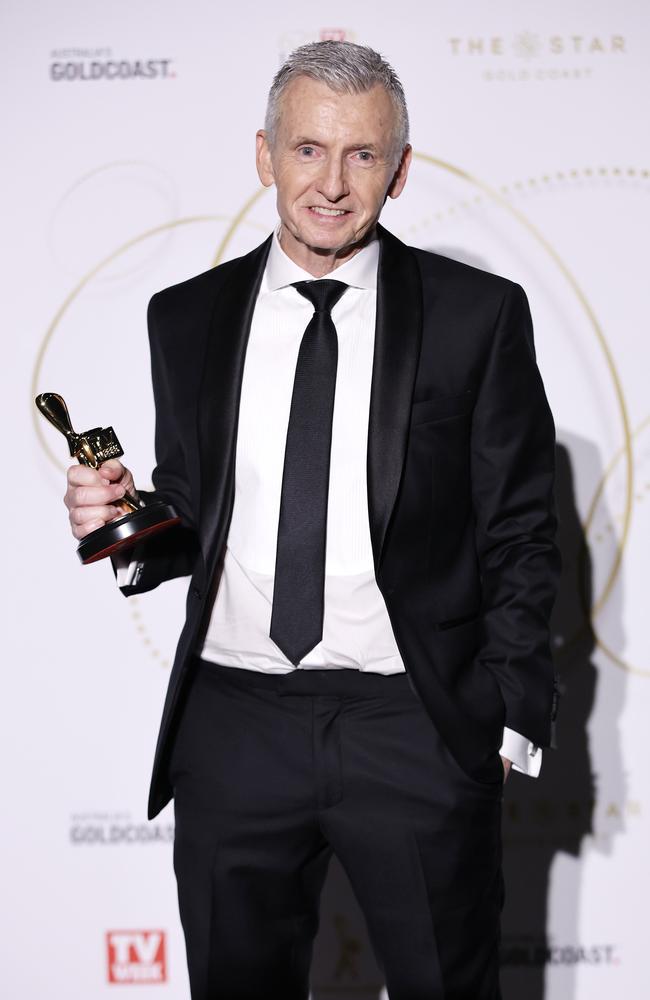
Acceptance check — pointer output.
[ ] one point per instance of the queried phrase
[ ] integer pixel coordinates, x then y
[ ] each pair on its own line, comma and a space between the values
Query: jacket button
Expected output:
196, 593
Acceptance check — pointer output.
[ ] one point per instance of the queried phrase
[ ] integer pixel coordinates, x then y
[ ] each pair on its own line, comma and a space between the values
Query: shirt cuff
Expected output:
525, 756
128, 568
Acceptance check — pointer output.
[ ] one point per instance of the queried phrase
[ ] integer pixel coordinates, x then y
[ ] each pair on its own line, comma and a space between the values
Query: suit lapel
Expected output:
220, 391
397, 348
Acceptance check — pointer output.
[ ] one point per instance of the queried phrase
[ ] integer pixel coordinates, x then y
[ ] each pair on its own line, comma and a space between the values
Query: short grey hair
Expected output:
345, 68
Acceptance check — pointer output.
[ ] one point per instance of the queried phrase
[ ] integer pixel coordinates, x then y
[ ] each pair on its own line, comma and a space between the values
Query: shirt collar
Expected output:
359, 271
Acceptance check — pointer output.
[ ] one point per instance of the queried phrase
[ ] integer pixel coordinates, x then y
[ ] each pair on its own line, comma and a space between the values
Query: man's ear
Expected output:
399, 178
263, 159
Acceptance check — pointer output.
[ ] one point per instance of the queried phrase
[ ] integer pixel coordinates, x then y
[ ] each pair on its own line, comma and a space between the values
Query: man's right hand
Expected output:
93, 495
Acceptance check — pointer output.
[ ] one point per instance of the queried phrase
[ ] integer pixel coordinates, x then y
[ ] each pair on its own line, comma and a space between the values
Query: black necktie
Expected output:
297, 614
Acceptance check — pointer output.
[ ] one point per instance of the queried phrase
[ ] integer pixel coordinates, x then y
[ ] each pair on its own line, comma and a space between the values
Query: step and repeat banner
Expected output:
128, 165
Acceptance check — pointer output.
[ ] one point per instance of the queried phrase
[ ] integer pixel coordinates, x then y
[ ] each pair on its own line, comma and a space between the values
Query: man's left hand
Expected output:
507, 764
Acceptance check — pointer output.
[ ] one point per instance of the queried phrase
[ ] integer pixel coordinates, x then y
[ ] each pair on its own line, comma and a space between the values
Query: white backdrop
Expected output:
128, 165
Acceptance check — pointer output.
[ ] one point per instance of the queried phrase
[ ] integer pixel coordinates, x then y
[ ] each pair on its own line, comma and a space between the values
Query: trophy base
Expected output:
126, 531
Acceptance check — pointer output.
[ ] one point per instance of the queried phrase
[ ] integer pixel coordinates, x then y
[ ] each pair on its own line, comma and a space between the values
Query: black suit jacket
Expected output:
460, 480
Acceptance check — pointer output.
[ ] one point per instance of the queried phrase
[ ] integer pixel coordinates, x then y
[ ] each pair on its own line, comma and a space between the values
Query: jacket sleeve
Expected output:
512, 468
172, 553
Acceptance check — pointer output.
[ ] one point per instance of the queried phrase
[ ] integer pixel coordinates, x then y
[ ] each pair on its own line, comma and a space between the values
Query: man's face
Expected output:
333, 163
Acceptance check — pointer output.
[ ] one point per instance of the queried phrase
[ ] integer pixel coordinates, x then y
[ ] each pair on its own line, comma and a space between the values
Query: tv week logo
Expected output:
136, 957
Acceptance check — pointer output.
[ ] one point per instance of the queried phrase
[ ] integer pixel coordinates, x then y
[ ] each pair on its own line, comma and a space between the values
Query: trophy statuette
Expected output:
93, 448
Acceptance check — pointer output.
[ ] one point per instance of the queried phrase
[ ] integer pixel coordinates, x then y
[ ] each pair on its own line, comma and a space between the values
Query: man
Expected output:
356, 437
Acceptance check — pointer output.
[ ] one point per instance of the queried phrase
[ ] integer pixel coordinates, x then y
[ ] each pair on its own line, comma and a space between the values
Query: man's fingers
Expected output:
100, 513
92, 496
110, 472
113, 470
83, 475
83, 520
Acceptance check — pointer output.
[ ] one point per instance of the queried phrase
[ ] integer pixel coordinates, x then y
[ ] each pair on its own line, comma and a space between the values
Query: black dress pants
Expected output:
273, 773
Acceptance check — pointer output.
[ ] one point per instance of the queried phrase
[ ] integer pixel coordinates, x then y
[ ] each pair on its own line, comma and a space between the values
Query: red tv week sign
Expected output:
136, 957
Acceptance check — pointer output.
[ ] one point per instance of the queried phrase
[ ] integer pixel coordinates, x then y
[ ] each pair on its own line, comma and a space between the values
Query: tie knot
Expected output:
323, 294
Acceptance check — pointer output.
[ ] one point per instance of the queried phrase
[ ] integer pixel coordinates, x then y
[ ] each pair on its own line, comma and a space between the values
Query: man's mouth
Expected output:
319, 210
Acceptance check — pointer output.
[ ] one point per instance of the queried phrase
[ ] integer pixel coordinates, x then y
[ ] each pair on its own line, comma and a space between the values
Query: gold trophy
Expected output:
92, 448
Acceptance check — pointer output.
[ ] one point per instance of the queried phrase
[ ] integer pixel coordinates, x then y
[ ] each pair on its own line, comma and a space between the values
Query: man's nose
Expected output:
333, 182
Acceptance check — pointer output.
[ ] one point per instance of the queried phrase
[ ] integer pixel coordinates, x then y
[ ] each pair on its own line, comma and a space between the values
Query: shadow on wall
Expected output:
550, 824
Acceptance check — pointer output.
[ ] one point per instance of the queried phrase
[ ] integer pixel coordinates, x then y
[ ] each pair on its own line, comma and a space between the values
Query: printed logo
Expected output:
527, 55
136, 957
290, 40
94, 64
104, 829
537, 953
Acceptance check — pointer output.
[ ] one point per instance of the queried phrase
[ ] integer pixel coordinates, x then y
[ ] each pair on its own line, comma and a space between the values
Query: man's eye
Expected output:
365, 155
307, 151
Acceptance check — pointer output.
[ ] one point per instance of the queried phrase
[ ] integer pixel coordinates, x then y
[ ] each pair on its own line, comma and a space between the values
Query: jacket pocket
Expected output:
454, 622
441, 408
